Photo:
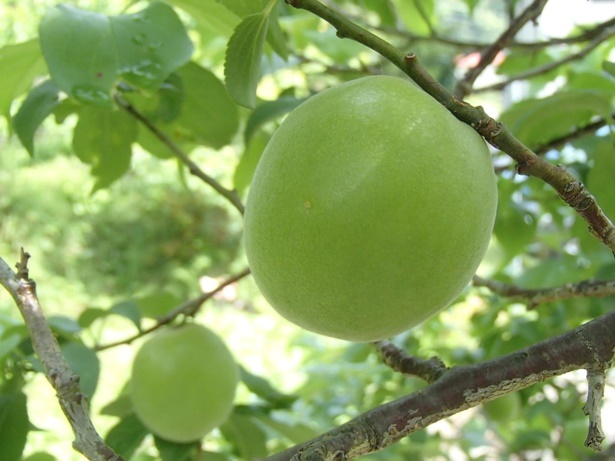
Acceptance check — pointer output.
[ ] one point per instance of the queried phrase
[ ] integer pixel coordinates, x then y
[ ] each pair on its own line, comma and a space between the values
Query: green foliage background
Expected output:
120, 233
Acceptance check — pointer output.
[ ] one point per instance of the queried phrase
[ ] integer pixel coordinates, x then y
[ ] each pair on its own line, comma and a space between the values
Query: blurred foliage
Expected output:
121, 233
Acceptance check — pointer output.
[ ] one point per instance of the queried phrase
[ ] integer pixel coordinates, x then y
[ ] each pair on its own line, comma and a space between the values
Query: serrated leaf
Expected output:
212, 18
248, 161
129, 310
14, 425
243, 8
103, 138
84, 362
537, 121
19, 65
208, 114
261, 387
40, 102
243, 59
87, 51
126, 436
246, 435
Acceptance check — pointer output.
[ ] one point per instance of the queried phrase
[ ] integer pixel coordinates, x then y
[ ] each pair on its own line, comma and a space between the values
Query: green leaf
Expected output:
207, 113
249, 159
275, 35
210, 16
126, 436
601, 178
19, 65
538, 121
296, 433
40, 102
243, 8
120, 407
79, 51
173, 451
87, 51
243, 59
8, 344
157, 304
264, 390
129, 310
246, 435
90, 315
150, 44
268, 111
609, 66
63, 325
40, 456
14, 425
84, 362
103, 139
417, 15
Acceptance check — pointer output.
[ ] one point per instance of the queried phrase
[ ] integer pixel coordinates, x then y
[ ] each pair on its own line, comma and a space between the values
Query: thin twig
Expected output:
188, 308
194, 169
592, 408
550, 66
65, 382
570, 190
534, 297
464, 86
428, 370
580, 132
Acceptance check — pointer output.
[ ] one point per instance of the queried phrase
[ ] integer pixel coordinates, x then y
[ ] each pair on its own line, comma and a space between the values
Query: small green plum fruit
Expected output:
183, 383
369, 211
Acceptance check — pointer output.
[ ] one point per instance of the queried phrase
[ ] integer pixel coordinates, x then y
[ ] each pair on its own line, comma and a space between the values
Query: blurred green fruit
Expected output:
504, 409
183, 383
369, 211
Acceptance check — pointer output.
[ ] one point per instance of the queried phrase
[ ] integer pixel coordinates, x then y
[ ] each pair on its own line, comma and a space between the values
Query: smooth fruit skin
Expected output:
369, 211
183, 383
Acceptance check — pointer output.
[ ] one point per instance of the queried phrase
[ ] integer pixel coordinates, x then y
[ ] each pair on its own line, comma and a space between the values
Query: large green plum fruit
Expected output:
369, 211
183, 383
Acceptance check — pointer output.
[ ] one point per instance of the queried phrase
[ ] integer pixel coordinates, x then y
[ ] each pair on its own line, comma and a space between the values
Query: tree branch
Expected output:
65, 382
188, 308
590, 346
570, 190
399, 360
534, 297
531, 13
550, 66
194, 169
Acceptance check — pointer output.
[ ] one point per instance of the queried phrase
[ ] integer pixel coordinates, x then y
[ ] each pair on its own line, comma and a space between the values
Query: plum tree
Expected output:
369, 211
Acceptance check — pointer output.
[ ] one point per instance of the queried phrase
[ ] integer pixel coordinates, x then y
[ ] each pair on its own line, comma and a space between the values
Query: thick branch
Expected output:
65, 382
534, 297
194, 169
187, 308
531, 13
570, 190
590, 346
552, 65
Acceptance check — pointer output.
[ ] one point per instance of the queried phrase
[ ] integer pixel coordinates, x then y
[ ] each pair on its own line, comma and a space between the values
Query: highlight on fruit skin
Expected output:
369, 211
183, 383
